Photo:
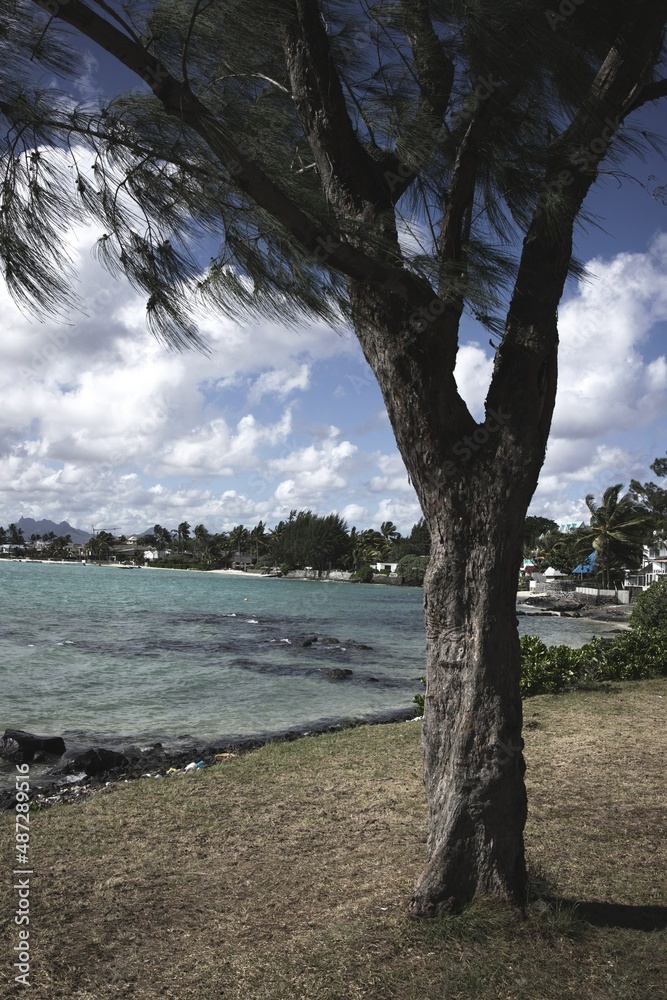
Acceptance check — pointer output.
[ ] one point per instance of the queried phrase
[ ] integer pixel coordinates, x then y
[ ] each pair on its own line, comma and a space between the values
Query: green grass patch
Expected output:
286, 873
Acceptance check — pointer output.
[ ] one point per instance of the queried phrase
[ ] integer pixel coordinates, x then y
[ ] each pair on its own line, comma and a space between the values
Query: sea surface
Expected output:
111, 656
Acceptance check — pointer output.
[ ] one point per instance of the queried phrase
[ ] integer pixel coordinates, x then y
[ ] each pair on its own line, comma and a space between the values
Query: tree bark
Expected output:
473, 761
474, 482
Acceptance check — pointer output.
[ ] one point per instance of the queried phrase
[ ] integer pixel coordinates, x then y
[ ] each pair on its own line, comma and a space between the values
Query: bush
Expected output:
412, 569
418, 700
631, 655
363, 575
650, 611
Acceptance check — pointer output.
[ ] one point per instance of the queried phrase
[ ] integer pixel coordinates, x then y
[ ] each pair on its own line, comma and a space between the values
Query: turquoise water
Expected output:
97, 653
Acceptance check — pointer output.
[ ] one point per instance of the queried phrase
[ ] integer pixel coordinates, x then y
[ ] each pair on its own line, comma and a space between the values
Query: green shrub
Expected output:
650, 611
545, 669
412, 569
418, 700
363, 575
630, 655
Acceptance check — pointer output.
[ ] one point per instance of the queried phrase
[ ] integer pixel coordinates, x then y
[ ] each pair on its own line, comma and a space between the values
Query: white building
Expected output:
654, 567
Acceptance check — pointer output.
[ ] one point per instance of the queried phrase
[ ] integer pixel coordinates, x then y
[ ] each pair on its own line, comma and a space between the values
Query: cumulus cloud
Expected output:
392, 477
100, 424
97, 399
280, 382
611, 391
313, 471
215, 449
605, 381
473, 375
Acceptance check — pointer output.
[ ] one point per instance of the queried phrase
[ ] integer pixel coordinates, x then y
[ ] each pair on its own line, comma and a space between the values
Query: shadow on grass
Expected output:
638, 918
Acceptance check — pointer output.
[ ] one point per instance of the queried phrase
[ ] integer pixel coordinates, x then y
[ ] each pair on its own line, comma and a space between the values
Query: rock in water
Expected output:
97, 760
18, 744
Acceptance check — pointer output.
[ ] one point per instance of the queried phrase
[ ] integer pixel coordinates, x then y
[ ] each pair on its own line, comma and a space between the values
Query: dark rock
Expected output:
97, 760
340, 673
26, 745
554, 602
328, 640
309, 640
356, 645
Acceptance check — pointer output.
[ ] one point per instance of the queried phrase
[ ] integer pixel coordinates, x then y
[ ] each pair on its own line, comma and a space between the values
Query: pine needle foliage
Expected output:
423, 81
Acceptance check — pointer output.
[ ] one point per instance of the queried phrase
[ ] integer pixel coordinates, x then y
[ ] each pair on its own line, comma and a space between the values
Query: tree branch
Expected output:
324, 242
525, 367
651, 92
348, 171
435, 79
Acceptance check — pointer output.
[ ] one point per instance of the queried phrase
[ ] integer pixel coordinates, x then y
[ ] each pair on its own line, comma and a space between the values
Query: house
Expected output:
151, 554
588, 566
380, 567
241, 560
549, 579
654, 567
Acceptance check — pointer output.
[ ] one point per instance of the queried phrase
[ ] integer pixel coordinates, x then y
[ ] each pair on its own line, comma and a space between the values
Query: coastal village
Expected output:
617, 555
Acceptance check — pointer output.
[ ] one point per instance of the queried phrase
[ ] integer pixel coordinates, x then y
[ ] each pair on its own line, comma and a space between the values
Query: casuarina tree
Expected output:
395, 165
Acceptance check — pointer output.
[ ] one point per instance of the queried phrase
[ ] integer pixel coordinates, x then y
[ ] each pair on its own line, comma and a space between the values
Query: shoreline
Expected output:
156, 762
114, 565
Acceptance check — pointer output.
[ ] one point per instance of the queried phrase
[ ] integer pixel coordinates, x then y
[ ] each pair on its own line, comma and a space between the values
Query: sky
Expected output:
103, 427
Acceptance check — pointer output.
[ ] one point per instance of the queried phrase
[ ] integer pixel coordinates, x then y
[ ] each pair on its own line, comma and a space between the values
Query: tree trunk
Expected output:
473, 764
474, 482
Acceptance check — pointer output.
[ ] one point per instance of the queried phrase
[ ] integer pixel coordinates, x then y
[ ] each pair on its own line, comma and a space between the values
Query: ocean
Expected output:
111, 656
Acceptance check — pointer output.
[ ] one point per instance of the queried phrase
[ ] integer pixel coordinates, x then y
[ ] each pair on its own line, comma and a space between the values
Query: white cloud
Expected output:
313, 471
473, 375
100, 424
404, 514
280, 382
213, 448
610, 392
605, 382
354, 514
392, 478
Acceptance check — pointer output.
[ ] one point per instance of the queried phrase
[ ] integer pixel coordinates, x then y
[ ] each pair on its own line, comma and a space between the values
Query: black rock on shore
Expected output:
73, 776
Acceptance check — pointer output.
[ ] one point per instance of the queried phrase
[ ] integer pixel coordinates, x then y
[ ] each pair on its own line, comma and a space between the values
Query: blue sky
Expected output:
101, 425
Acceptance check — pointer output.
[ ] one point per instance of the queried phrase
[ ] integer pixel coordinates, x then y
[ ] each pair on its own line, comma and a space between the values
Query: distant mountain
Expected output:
32, 527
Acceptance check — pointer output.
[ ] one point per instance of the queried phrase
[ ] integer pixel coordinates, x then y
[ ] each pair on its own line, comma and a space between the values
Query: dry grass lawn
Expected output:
285, 874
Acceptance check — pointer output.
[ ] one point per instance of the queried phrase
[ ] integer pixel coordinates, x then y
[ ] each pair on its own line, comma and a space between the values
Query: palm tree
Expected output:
238, 539
258, 539
201, 537
370, 546
617, 530
16, 535
183, 534
389, 531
